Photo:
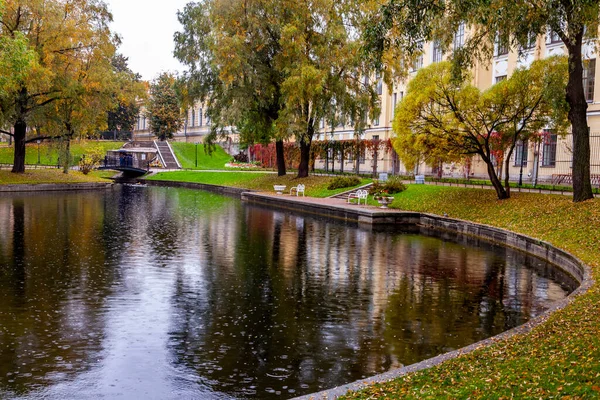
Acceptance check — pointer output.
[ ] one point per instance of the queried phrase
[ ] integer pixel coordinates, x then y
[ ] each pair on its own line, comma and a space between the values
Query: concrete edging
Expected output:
191, 185
54, 187
370, 216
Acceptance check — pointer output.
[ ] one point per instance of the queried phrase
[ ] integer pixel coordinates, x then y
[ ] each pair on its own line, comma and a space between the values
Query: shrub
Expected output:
90, 160
241, 158
343, 182
394, 185
391, 186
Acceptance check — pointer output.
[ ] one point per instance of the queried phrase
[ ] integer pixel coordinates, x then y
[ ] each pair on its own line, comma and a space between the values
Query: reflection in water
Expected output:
162, 293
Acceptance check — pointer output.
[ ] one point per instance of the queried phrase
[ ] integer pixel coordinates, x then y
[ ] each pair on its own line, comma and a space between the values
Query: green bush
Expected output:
394, 185
90, 160
391, 186
343, 182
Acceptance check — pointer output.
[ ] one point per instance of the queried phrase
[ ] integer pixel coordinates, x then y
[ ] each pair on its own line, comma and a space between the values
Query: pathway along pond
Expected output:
161, 293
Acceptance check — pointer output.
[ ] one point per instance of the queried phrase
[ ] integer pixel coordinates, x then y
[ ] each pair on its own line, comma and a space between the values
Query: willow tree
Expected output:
440, 114
230, 50
275, 69
400, 26
57, 33
325, 77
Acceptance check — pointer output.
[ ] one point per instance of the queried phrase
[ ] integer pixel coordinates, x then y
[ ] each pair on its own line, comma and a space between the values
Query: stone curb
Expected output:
54, 187
373, 216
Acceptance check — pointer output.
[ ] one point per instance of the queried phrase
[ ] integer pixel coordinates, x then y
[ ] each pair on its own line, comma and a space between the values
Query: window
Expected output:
362, 156
521, 153
459, 36
394, 102
500, 78
501, 46
322, 123
200, 117
531, 41
376, 121
193, 117
144, 122
418, 63
589, 78
207, 119
437, 51
554, 38
549, 148
379, 84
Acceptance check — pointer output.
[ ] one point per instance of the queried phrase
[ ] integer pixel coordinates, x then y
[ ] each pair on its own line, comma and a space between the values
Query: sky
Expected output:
146, 28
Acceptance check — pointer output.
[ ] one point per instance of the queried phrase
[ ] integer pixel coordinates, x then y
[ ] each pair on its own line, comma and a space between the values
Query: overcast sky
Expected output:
146, 28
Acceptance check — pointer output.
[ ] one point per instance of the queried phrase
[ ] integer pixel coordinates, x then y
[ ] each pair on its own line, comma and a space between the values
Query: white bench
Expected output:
358, 195
420, 179
299, 189
279, 188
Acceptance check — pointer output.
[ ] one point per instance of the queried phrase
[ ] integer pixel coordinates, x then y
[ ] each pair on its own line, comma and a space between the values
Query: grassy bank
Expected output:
559, 359
189, 153
52, 176
49, 152
316, 186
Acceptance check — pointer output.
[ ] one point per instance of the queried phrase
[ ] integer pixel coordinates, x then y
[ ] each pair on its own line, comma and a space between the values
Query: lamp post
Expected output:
196, 154
522, 158
38, 143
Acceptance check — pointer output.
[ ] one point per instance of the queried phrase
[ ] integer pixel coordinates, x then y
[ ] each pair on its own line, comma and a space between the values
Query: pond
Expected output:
167, 293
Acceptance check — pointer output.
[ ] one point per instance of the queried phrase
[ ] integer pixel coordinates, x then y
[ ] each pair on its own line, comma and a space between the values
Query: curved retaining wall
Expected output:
369, 217
54, 187
191, 185
561, 259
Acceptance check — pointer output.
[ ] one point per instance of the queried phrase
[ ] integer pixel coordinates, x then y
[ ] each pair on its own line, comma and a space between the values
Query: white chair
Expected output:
299, 189
358, 195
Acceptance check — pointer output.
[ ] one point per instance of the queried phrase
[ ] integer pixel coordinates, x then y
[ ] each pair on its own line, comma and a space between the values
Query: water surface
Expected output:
161, 293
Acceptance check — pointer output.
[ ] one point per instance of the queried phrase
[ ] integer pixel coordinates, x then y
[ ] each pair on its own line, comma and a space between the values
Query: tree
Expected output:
56, 33
444, 117
401, 25
123, 116
276, 69
164, 111
325, 78
87, 86
242, 91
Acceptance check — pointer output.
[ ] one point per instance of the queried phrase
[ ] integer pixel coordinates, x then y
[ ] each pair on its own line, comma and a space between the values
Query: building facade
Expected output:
547, 161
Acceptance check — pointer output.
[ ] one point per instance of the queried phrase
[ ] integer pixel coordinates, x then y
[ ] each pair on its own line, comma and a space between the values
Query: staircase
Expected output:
166, 155
344, 195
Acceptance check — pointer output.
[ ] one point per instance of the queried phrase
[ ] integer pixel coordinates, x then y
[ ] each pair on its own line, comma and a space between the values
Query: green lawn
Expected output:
559, 359
186, 154
52, 176
49, 151
316, 186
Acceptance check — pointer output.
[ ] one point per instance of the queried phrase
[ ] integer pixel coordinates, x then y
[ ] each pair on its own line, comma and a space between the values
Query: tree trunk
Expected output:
305, 142
375, 157
342, 159
304, 158
507, 168
280, 158
67, 160
500, 192
582, 186
20, 130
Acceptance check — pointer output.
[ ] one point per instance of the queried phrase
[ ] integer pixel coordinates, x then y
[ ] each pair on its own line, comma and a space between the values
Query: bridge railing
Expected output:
126, 161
